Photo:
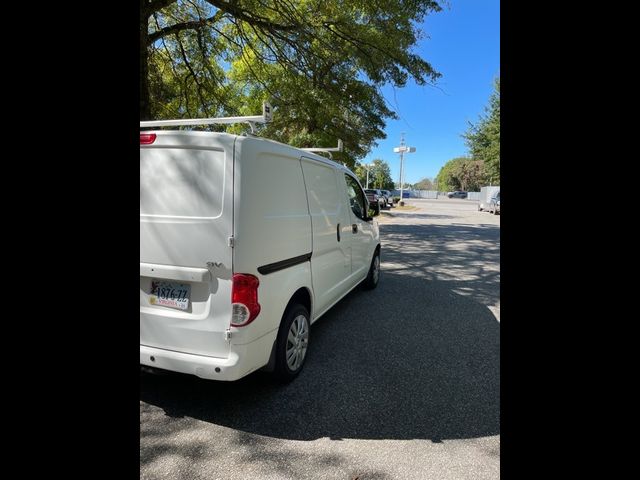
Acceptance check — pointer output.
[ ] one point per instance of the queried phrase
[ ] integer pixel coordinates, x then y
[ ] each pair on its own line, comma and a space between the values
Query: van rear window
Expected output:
181, 182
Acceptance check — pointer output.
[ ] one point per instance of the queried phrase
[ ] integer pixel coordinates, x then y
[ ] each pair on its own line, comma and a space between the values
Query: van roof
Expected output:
199, 138
223, 137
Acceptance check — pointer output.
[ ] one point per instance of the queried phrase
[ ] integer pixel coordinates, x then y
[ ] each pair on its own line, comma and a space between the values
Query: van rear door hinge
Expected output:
227, 334
231, 241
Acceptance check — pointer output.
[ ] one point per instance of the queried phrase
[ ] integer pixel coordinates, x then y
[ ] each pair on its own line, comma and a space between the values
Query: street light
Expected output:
402, 149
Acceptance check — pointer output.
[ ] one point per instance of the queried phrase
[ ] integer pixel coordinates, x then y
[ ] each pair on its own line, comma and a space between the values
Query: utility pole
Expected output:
401, 150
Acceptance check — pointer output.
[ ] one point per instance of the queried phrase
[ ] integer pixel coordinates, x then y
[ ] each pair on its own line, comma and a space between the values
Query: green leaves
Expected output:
461, 173
379, 174
320, 63
483, 138
425, 184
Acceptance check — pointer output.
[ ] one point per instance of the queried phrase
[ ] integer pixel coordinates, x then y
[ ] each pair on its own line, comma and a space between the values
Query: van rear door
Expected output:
186, 208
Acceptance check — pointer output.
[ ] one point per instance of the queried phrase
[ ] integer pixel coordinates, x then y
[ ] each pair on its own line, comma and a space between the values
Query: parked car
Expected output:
244, 244
376, 199
383, 198
388, 197
457, 194
494, 203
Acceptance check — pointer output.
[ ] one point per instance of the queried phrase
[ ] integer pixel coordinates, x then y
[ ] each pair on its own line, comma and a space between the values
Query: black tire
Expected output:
495, 211
373, 277
284, 371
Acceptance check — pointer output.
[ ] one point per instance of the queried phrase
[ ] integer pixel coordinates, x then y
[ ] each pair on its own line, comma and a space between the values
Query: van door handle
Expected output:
354, 228
338, 232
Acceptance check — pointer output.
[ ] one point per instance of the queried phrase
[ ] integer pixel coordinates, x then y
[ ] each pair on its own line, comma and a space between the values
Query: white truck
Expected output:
244, 243
485, 197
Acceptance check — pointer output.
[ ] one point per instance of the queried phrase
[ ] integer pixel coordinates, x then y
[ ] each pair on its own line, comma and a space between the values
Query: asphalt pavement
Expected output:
401, 382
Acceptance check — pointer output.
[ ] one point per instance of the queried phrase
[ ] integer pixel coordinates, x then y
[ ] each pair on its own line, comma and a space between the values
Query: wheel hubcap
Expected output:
376, 269
297, 342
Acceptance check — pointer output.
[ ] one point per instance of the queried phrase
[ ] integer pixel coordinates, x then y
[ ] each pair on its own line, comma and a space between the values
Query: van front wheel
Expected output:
292, 343
371, 281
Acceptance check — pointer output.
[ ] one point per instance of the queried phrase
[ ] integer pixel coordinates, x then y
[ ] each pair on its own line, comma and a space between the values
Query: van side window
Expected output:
356, 197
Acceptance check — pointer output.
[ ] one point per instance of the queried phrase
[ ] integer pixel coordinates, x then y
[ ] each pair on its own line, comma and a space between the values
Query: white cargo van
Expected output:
485, 197
244, 243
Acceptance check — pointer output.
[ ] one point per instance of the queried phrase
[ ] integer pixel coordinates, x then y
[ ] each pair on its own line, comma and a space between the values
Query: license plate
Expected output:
170, 294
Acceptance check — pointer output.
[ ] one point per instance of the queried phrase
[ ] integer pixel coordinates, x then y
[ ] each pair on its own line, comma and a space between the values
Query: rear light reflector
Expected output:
147, 138
244, 299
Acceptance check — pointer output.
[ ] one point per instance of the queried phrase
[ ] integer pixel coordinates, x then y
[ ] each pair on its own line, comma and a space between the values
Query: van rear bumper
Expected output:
242, 360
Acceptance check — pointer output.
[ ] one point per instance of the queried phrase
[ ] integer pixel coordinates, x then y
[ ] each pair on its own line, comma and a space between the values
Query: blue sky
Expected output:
462, 42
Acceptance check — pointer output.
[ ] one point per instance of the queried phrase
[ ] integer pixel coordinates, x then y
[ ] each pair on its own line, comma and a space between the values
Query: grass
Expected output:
406, 207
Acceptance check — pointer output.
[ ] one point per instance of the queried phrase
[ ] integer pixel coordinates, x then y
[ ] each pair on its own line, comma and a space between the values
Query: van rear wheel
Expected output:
292, 343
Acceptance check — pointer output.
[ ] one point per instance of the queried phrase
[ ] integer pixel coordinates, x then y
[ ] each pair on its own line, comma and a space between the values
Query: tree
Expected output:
382, 175
483, 138
425, 184
447, 178
379, 175
405, 186
321, 63
461, 173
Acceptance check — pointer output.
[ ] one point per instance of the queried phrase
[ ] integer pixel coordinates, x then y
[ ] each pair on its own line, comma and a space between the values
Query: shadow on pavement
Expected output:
409, 360
466, 257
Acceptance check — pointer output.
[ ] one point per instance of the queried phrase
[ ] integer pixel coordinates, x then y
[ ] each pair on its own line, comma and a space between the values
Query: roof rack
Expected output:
251, 120
339, 148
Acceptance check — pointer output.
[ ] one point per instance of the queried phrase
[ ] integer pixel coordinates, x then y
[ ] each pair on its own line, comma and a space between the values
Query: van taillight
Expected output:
244, 299
147, 138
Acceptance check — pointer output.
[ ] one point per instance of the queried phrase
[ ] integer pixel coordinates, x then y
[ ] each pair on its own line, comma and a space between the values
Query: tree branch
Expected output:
179, 27
232, 8
193, 74
149, 7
